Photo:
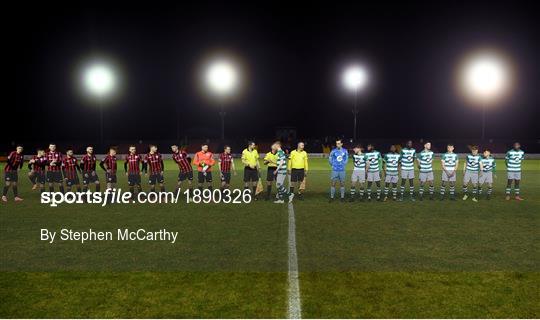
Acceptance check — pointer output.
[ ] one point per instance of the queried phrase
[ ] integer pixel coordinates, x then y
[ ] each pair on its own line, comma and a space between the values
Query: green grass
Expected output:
422, 259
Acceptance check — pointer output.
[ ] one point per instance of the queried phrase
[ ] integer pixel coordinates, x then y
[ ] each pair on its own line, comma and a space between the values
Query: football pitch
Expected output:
423, 259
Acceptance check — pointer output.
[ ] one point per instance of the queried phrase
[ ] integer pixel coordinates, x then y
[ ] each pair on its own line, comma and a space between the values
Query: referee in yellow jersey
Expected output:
298, 166
270, 160
250, 159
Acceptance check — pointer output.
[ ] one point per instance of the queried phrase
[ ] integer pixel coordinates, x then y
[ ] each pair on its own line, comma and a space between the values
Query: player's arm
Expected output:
145, 167
162, 165
77, 167
306, 166
102, 165
257, 165
289, 161
126, 165
232, 166
30, 165
212, 161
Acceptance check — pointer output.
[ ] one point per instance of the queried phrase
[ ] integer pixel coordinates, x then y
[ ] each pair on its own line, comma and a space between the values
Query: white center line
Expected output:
295, 308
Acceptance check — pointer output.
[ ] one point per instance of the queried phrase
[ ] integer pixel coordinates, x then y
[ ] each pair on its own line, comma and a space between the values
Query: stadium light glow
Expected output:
485, 77
355, 78
222, 77
99, 79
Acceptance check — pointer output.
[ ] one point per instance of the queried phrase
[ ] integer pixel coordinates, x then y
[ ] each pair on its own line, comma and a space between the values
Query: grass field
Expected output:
394, 259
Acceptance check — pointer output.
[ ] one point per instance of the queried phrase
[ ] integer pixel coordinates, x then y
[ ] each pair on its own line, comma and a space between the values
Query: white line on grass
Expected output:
295, 308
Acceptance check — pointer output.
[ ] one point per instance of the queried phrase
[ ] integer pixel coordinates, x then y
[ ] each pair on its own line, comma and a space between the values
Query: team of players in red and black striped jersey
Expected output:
56, 170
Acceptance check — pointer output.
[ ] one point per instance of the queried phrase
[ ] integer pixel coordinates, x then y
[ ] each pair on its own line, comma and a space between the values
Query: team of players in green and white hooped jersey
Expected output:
479, 172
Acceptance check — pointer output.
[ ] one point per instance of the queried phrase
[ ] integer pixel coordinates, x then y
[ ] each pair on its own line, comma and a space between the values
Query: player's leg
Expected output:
431, 188
333, 180
15, 189
369, 183
342, 185
269, 182
209, 180
33, 177
386, 189
354, 181
443, 186
508, 188
411, 187
466, 180
5, 190
161, 181
98, 185
402, 187
421, 187
517, 183
394, 190
378, 184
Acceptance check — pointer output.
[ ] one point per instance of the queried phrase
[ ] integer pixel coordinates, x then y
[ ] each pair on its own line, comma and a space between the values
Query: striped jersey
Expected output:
39, 164
373, 159
407, 157
182, 160
392, 163
88, 162
473, 162
225, 160
425, 160
154, 161
70, 166
109, 163
488, 164
449, 160
514, 159
56, 157
281, 161
359, 161
132, 165
14, 161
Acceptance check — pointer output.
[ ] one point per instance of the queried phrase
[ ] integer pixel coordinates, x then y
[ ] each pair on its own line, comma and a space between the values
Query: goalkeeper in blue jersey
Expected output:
338, 160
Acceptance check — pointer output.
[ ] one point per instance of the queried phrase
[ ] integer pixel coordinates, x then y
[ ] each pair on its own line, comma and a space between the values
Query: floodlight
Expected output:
355, 78
99, 79
221, 77
485, 77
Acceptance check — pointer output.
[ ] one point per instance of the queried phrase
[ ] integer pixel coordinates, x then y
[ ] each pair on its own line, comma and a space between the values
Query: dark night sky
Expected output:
293, 55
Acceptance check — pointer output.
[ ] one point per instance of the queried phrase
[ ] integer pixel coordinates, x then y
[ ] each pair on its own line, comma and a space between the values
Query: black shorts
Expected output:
54, 176
251, 174
111, 177
134, 179
40, 177
185, 175
156, 178
270, 176
204, 177
88, 178
297, 175
11, 176
72, 182
226, 177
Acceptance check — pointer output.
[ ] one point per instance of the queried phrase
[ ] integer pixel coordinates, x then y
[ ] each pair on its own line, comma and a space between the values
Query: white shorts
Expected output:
373, 176
514, 175
446, 178
407, 174
426, 176
391, 178
470, 176
486, 177
358, 176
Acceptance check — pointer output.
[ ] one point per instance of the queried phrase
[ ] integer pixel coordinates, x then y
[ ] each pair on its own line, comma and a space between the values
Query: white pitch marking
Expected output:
295, 306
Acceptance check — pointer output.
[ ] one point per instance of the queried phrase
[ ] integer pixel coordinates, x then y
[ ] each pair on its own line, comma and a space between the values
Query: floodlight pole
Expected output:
355, 112
483, 122
222, 114
101, 122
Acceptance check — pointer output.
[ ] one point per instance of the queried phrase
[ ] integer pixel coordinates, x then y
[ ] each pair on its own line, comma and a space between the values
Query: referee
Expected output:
298, 164
250, 159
